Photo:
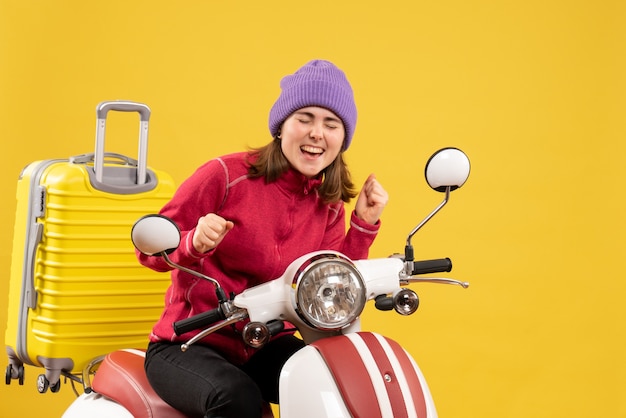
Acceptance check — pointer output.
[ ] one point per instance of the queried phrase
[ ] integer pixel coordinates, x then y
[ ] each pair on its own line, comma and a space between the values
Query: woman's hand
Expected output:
210, 231
371, 201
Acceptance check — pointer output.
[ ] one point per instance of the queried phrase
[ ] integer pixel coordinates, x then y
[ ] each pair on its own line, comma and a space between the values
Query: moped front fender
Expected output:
354, 375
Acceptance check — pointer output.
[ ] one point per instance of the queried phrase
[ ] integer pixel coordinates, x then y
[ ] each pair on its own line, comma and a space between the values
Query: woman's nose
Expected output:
317, 131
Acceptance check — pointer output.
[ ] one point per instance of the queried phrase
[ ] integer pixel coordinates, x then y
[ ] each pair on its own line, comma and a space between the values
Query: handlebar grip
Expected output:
198, 321
439, 265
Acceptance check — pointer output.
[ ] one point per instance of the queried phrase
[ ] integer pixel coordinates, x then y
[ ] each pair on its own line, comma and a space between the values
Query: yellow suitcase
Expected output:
76, 289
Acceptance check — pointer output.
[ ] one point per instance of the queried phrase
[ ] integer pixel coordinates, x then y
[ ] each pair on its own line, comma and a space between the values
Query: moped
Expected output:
342, 371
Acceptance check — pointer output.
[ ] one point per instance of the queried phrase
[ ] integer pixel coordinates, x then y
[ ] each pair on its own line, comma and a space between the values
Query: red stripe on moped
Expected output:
352, 378
411, 388
394, 392
391, 370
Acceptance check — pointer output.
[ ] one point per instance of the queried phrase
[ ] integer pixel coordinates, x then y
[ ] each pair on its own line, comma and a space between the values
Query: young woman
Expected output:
244, 218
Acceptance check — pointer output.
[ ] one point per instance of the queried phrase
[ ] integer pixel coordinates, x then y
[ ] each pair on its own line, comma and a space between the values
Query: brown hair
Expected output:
271, 163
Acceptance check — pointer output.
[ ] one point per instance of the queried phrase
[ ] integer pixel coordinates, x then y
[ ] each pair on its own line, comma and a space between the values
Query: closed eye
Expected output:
306, 118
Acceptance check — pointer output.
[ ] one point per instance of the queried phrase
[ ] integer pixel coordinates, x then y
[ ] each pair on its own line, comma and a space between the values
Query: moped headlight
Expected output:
329, 292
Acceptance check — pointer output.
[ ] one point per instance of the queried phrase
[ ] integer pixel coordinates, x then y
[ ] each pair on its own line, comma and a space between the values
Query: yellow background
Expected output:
533, 91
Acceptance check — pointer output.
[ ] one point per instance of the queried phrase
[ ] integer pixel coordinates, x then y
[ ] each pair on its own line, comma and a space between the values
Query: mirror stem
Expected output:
408, 249
221, 295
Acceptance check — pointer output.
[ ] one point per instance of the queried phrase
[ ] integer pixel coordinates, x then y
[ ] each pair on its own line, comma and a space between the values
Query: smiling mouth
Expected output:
311, 150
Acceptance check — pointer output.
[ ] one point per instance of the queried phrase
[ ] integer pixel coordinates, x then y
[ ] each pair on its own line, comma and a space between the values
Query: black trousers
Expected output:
202, 383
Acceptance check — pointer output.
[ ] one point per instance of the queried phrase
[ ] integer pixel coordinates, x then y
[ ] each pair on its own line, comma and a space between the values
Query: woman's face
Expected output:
312, 137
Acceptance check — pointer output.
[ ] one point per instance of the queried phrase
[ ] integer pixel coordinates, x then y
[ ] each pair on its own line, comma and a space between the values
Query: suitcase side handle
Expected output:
102, 111
34, 238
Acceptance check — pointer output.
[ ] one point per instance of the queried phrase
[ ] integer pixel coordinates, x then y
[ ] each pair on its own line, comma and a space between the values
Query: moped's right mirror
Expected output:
155, 234
158, 235
446, 170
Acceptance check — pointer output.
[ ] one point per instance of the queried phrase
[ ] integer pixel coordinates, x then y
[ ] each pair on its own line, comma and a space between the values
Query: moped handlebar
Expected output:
198, 321
208, 318
439, 265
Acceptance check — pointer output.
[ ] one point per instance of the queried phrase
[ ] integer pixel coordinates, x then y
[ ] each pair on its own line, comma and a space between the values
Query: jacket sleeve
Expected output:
203, 192
356, 242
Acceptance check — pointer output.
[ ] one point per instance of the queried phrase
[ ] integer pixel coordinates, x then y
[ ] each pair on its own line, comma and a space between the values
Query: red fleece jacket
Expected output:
273, 225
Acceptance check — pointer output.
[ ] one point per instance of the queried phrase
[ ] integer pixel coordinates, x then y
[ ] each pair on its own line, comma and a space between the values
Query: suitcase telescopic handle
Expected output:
102, 111
123, 106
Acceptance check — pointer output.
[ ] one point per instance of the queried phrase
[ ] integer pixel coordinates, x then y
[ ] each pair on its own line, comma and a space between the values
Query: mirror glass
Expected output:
154, 234
448, 167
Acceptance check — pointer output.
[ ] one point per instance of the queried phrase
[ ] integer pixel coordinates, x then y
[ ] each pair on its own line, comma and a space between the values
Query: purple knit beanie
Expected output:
317, 83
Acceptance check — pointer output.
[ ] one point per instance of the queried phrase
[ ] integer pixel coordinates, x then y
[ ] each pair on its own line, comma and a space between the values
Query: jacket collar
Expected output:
296, 182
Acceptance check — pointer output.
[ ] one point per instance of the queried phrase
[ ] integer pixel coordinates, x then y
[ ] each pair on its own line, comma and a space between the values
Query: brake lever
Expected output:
236, 317
405, 280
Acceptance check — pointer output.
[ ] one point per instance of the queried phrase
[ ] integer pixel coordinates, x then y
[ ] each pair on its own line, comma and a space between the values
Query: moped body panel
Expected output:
308, 389
94, 405
353, 375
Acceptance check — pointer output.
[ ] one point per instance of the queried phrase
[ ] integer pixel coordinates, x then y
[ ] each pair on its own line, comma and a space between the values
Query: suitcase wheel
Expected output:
19, 374
55, 388
43, 384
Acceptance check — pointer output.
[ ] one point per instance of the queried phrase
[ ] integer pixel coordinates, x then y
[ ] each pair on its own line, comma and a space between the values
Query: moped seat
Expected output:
121, 377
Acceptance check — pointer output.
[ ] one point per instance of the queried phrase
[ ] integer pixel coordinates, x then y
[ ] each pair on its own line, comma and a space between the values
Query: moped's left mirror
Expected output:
447, 168
155, 234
